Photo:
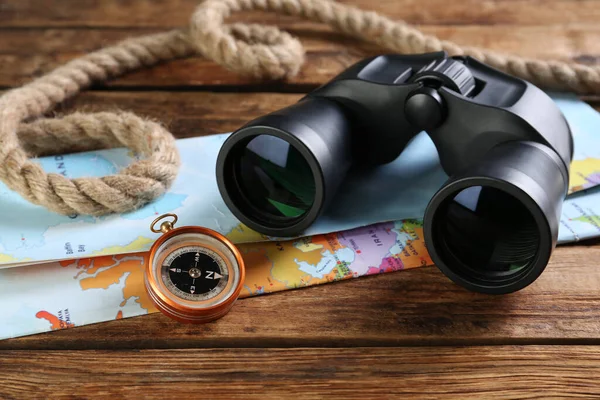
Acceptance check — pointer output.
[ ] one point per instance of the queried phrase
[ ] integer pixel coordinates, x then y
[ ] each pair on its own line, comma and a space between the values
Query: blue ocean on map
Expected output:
395, 191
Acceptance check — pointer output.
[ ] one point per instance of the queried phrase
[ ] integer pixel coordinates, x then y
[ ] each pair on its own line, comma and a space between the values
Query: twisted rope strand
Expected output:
250, 49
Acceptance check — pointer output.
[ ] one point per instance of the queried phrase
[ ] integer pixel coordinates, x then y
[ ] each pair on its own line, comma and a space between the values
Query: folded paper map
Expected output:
85, 291
396, 191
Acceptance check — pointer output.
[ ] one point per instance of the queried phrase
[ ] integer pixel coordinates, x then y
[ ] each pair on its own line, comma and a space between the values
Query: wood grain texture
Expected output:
33, 52
60, 31
415, 307
418, 372
174, 13
345, 340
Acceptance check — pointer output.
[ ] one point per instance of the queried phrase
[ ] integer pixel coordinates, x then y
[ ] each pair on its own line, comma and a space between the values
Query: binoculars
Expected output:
502, 141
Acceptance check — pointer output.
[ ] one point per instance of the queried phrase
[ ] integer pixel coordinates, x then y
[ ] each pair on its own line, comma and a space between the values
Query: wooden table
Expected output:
412, 332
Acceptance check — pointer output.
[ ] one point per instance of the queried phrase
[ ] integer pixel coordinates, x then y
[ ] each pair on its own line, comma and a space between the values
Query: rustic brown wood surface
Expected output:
349, 373
382, 336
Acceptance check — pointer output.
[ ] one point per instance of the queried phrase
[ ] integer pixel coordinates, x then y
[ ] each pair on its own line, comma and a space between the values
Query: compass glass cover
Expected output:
196, 270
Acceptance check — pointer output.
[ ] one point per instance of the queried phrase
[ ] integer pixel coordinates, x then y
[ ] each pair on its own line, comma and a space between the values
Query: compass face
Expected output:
195, 273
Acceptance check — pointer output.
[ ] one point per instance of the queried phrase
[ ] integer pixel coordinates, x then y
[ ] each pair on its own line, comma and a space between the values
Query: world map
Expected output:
105, 288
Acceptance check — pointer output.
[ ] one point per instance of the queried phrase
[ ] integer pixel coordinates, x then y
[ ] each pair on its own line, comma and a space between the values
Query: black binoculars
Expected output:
502, 141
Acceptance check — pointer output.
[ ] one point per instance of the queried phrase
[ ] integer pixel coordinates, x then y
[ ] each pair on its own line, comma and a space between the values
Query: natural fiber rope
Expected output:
256, 50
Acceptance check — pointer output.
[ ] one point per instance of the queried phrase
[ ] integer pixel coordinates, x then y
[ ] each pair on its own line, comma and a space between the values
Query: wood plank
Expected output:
415, 307
420, 372
173, 13
25, 54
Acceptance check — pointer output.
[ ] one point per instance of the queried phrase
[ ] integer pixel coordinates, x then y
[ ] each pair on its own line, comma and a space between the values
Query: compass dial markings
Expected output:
195, 273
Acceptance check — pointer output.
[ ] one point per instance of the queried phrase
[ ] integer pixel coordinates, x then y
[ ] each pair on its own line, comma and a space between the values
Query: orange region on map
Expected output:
91, 265
415, 253
119, 266
55, 322
267, 263
330, 242
81, 263
264, 272
282, 253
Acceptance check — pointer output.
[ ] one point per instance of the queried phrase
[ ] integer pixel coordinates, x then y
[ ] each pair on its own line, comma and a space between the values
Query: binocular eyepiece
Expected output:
504, 143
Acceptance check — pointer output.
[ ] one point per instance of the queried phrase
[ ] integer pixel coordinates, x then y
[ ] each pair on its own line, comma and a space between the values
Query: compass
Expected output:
193, 274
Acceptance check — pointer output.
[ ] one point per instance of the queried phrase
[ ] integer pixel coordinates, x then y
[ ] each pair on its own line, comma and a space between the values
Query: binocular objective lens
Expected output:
487, 231
275, 178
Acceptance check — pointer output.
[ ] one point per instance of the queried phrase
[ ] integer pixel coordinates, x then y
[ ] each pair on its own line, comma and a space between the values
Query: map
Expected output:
585, 125
396, 191
105, 288
580, 217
